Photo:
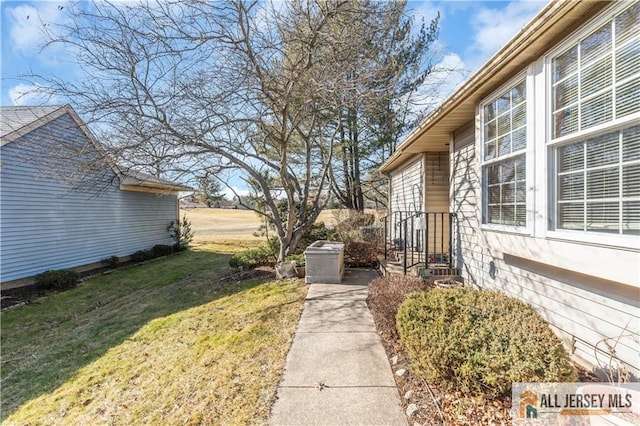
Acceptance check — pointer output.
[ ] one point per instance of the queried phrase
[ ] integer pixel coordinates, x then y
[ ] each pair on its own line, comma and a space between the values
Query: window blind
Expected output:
598, 79
504, 171
598, 183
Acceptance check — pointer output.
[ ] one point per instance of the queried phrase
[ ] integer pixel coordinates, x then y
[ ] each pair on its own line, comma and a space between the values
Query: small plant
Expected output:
60, 279
111, 261
253, 257
298, 258
181, 233
386, 294
606, 356
480, 341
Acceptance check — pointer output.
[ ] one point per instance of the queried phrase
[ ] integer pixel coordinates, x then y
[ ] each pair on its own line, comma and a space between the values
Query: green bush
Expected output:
162, 250
480, 341
62, 278
385, 296
253, 257
142, 256
298, 258
317, 231
111, 261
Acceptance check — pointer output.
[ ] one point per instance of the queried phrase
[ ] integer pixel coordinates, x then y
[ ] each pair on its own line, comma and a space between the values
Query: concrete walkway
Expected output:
336, 372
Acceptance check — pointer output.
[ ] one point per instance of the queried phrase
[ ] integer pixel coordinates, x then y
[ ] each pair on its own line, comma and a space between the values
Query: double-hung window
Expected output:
595, 129
504, 143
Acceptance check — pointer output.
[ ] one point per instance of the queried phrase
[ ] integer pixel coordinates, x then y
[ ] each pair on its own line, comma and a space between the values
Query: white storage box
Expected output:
324, 262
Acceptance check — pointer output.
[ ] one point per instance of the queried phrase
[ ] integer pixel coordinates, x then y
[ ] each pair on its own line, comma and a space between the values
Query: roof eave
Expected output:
542, 31
155, 188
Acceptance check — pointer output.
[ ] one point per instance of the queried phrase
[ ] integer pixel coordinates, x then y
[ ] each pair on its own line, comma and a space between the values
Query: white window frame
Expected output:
551, 145
527, 76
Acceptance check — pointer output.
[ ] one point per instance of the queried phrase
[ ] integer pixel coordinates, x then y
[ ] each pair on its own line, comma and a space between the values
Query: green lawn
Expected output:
165, 342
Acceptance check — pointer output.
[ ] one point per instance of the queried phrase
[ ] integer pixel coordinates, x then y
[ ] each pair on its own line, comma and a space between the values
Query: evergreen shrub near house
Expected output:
253, 257
181, 233
317, 231
160, 250
142, 256
479, 341
60, 279
385, 296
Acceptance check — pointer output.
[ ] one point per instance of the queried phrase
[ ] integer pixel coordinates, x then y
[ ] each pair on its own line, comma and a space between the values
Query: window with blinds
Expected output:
597, 80
598, 186
596, 84
504, 122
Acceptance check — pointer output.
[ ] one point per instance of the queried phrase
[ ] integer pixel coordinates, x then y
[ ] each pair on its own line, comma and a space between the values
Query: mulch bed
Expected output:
427, 404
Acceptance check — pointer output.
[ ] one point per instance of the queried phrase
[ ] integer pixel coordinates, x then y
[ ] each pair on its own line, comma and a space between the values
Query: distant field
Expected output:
222, 224
226, 224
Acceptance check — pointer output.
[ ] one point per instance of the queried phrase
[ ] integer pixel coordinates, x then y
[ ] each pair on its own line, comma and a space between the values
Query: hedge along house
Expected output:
535, 164
64, 204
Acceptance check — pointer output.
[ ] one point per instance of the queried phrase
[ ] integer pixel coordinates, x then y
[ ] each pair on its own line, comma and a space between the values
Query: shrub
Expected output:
317, 231
62, 278
181, 233
298, 258
349, 223
111, 261
360, 254
142, 255
386, 294
253, 257
162, 250
480, 341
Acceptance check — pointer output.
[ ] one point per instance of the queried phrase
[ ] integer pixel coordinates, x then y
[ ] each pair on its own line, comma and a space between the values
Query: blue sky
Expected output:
470, 33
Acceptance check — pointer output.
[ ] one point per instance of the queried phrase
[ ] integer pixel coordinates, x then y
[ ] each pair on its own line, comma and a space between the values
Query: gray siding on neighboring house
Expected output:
46, 224
583, 309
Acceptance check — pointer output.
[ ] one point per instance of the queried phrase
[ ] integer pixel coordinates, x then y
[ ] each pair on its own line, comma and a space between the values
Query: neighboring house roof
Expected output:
556, 21
17, 121
135, 178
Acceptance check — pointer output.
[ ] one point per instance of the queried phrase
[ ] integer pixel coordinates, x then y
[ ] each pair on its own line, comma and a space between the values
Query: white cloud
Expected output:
230, 195
30, 23
444, 78
31, 94
494, 27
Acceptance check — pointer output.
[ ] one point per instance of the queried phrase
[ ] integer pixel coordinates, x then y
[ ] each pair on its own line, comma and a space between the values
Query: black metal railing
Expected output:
423, 238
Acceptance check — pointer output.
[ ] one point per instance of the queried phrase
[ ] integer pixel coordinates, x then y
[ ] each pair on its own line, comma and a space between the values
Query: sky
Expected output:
470, 33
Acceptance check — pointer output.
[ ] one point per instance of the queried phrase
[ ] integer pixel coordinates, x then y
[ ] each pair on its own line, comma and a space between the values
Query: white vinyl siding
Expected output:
583, 310
504, 142
595, 136
407, 187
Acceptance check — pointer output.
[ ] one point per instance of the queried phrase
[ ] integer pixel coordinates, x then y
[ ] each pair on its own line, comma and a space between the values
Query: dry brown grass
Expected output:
213, 225
217, 225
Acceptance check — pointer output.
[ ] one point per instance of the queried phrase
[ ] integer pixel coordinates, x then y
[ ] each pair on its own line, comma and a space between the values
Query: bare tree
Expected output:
188, 88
